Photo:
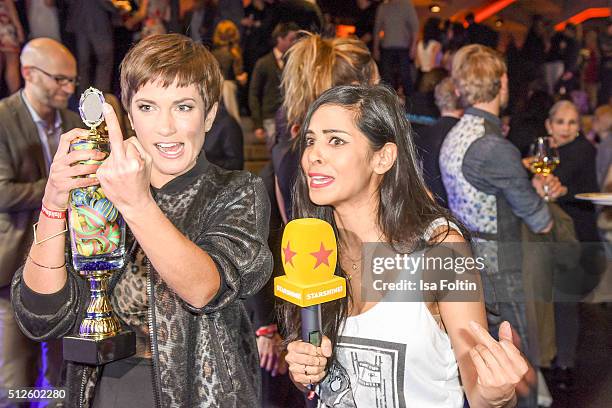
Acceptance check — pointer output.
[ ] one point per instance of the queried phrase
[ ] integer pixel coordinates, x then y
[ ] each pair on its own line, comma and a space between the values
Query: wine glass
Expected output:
544, 159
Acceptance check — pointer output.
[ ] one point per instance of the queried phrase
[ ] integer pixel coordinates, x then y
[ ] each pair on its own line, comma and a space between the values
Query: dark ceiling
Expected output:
516, 17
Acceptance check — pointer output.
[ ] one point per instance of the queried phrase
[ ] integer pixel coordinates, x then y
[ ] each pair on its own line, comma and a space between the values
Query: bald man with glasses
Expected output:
31, 122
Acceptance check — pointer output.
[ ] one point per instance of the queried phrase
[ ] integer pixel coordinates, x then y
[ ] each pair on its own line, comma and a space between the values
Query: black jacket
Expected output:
576, 171
429, 142
202, 357
264, 90
224, 142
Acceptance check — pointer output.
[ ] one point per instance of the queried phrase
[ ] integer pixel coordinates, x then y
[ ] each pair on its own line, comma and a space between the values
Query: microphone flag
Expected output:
309, 255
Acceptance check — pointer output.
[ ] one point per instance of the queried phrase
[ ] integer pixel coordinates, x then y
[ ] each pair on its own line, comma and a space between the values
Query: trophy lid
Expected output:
90, 107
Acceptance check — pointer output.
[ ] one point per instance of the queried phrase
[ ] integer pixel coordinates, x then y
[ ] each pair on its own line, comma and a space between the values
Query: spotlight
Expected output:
434, 8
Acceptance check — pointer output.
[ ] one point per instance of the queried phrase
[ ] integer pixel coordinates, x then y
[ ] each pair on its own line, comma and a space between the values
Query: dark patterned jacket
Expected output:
202, 357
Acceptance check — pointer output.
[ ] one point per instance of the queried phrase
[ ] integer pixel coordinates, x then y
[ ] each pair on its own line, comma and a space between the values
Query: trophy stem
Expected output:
101, 338
100, 322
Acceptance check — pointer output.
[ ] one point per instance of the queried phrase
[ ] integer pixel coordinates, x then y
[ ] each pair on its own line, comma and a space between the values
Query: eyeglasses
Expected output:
60, 79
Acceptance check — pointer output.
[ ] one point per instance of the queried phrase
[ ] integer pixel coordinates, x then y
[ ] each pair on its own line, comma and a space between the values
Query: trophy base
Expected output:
99, 351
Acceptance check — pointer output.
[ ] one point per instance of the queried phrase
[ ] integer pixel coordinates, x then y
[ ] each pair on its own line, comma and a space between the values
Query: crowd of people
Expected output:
420, 139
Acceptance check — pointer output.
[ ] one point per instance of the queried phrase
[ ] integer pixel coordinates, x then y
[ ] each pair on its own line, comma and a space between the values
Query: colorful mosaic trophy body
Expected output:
97, 235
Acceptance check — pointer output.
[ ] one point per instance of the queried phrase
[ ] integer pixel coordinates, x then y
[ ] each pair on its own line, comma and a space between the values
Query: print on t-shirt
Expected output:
366, 373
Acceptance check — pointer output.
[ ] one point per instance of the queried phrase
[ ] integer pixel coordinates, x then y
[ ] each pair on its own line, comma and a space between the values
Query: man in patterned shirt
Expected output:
488, 188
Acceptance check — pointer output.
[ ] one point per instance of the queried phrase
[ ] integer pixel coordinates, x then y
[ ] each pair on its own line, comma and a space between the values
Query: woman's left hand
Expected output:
125, 176
271, 355
500, 365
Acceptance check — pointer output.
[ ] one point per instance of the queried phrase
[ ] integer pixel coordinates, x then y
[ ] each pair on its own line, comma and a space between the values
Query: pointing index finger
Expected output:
114, 130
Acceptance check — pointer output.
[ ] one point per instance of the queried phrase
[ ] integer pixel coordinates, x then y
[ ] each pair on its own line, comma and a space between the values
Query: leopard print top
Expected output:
131, 303
202, 356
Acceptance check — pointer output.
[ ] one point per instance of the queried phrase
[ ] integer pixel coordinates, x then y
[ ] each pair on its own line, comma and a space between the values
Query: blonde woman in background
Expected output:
314, 64
226, 44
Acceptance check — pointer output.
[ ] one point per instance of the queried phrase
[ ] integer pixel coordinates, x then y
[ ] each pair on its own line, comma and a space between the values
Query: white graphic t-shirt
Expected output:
393, 356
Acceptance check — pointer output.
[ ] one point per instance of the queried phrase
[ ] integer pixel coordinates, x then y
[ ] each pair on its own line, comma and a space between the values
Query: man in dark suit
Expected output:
31, 122
264, 90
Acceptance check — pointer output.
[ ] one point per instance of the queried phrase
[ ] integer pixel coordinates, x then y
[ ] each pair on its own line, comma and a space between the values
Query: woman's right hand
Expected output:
555, 188
307, 362
65, 169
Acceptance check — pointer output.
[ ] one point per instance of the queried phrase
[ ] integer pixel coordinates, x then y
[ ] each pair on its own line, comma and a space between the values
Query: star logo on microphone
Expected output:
322, 256
289, 254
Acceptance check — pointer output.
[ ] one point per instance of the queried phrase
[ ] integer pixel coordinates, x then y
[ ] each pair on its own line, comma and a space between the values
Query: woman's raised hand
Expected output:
125, 176
500, 366
307, 362
65, 169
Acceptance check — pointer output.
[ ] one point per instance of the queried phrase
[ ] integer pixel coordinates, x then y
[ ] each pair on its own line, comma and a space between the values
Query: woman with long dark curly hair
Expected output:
359, 173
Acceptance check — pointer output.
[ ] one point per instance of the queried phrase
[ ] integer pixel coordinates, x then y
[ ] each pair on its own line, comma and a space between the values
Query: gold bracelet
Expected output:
37, 242
46, 267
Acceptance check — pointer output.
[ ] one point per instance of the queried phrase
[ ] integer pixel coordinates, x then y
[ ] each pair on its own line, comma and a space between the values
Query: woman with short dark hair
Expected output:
196, 244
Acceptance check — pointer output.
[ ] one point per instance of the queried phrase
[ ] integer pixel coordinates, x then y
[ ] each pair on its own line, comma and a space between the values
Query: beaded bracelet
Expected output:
267, 331
53, 214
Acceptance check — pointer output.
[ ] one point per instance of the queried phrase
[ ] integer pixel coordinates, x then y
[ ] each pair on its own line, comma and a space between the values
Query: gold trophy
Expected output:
97, 238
